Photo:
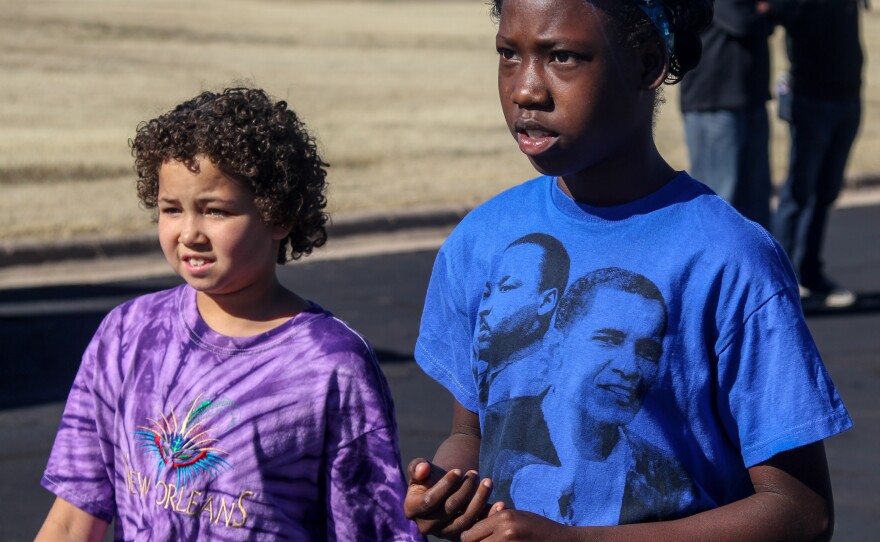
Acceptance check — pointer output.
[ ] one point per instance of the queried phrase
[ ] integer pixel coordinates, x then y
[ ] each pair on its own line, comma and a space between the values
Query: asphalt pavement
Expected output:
49, 311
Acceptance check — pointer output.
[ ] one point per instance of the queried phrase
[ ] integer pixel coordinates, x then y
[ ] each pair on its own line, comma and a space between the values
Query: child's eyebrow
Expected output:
205, 200
545, 43
212, 199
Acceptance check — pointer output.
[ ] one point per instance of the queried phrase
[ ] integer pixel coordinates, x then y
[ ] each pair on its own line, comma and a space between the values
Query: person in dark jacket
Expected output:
823, 108
724, 105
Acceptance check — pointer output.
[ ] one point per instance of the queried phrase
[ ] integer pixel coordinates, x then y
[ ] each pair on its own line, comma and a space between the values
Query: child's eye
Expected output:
169, 211
506, 54
216, 212
563, 57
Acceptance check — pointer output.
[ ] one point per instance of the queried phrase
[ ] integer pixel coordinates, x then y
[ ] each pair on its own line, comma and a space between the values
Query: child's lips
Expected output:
197, 263
533, 138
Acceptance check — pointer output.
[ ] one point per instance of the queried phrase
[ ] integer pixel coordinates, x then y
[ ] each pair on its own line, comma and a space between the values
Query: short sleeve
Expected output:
775, 393
78, 470
365, 481
366, 491
443, 349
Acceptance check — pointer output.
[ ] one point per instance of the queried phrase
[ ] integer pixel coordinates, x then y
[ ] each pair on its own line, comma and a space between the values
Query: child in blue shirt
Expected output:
668, 387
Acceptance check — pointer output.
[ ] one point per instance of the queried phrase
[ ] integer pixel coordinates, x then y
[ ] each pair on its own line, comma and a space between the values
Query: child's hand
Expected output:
444, 503
515, 525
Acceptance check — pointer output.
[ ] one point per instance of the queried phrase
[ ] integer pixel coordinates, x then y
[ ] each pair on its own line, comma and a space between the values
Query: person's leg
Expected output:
713, 145
797, 199
754, 187
785, 219
842, 125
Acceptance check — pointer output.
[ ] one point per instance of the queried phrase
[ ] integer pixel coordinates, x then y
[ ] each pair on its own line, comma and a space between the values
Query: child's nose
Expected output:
530, 89
191, 233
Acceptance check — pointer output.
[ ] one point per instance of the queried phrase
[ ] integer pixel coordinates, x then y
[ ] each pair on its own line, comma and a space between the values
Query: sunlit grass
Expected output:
400, 94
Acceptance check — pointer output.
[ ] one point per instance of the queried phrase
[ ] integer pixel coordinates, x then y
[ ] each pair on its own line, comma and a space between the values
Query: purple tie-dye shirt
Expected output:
180, 433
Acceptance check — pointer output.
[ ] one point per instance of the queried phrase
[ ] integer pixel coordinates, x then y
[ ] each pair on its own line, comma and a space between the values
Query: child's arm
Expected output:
446, 497
67, 523
792, 501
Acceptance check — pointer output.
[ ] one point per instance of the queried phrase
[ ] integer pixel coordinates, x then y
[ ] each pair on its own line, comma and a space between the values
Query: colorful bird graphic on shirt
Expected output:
186, 448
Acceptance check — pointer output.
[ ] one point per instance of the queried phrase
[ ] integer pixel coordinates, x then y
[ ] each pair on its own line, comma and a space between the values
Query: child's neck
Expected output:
619, 179
249, 312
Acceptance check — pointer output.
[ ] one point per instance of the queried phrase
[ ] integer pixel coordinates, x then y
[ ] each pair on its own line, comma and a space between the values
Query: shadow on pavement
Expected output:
45, 330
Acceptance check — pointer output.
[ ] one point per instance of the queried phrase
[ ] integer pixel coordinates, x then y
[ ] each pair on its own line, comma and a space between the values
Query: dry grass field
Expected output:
400, 93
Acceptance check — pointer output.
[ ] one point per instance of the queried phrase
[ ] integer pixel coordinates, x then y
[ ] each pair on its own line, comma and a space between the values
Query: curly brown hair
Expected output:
254, 139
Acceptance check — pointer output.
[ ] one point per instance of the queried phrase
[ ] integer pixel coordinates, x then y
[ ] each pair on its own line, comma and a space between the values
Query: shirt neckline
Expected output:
582, 212
202, 334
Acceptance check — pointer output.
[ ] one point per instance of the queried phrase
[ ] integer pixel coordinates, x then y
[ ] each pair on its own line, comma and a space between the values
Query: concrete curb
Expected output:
14, 253
96, 246
862, 181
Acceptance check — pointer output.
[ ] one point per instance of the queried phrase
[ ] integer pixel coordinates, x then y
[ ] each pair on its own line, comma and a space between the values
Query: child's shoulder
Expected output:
735, 258
149, 307
514, 205
510, 201
328, 332
335, 342
711, 222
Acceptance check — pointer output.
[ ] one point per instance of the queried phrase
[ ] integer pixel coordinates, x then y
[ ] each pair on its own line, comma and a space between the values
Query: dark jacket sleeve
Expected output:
740, 18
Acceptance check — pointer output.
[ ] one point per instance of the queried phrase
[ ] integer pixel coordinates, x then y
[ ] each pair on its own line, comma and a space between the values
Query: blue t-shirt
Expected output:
627, 363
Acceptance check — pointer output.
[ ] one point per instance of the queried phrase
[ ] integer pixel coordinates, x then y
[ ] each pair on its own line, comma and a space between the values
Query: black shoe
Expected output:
825, 292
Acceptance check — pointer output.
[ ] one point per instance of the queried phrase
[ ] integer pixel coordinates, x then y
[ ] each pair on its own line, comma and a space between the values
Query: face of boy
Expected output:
568, 91
211, 231
611, 355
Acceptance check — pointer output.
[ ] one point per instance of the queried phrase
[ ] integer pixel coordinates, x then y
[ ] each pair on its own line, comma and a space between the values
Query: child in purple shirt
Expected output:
228, 408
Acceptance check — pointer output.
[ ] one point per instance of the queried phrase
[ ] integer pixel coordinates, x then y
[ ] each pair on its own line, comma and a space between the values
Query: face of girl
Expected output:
211, 231
572, 96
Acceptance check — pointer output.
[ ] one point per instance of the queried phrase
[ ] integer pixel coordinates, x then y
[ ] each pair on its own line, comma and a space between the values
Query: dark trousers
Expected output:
822, 134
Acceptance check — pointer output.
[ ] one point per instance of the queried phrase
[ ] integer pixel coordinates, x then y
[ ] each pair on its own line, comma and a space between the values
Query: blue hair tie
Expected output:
654, 10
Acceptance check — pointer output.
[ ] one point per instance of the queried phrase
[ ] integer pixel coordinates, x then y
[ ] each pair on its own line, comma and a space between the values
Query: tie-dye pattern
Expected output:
181, 433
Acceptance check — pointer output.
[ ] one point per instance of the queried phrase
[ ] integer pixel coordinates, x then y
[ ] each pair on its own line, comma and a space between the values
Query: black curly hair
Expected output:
687, 18
254, 139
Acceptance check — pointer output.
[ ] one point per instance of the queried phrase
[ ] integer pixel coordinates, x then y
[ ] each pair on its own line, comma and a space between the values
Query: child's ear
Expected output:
279, 232
655, 65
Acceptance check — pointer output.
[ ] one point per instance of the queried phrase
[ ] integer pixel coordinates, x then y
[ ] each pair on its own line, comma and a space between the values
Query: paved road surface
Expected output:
43, 330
